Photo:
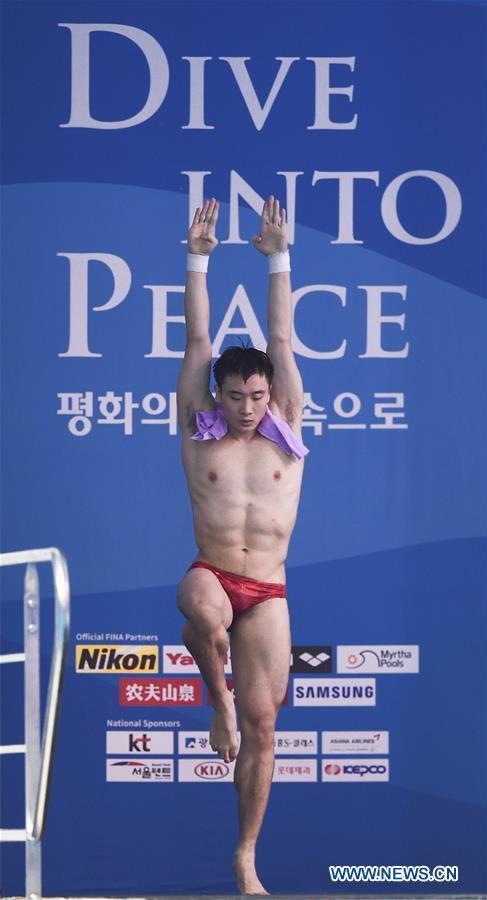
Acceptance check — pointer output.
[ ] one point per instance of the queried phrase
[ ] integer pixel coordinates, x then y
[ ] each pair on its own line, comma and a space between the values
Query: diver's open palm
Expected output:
201, 235
272, 237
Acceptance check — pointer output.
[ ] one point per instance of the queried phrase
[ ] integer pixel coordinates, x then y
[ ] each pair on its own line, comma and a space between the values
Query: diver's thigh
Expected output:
260, 645
203, 601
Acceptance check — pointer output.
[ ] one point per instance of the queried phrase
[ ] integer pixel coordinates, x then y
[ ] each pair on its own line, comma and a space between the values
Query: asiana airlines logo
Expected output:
109, 658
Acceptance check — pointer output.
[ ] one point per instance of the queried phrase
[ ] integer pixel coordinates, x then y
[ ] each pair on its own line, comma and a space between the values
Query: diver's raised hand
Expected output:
272, 237
201, 235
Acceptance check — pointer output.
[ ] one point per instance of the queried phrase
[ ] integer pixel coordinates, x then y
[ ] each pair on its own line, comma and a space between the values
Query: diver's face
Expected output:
244, 402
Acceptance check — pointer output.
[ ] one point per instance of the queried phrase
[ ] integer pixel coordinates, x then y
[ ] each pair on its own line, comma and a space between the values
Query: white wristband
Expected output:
279, 262
196, 262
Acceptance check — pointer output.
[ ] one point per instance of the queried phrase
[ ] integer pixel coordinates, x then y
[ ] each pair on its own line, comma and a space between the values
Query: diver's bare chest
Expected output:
259, 466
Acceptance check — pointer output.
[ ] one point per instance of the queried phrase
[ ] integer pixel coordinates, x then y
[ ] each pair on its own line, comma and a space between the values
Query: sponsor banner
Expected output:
295, 742
100, 637
198, 742
334, 692
147, 724
205, 770
295, 770
315, 658
160, 692
140, 770
367, 742
110, 658
385, 659
140, 742
286, 769
230, 687
353, 770
177, 660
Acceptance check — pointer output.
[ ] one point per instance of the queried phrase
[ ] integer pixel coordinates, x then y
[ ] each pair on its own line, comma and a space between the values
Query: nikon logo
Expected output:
112, 658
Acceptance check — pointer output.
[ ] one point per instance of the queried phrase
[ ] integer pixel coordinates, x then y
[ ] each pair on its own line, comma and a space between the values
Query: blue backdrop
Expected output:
238, 100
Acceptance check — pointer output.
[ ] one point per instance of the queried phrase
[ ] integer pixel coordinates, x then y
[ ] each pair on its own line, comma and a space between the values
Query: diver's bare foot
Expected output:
223, 731
244, 867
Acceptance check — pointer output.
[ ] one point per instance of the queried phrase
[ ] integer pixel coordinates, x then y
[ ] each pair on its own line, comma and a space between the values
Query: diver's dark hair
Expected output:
243, 361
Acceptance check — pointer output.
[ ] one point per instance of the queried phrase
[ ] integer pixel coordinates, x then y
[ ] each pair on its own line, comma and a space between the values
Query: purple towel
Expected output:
211, 423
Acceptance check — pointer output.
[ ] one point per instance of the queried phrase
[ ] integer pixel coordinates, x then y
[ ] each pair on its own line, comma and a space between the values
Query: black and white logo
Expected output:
311, 659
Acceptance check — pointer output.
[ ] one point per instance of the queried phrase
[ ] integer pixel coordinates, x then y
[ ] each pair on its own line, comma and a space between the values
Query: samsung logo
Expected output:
334, 692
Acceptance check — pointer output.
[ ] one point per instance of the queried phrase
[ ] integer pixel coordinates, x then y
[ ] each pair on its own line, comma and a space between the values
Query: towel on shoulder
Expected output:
212, 424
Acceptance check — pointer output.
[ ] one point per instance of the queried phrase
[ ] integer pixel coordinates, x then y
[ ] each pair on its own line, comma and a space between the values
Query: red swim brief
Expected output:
241, 591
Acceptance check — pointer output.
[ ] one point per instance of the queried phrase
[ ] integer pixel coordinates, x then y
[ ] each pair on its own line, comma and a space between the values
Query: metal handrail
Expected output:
34, 825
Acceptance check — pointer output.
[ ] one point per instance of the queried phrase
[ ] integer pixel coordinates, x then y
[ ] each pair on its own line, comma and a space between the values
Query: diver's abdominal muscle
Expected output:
249, 525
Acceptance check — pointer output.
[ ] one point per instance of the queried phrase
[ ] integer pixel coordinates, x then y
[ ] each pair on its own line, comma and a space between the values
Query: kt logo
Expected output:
311, 659
139, 744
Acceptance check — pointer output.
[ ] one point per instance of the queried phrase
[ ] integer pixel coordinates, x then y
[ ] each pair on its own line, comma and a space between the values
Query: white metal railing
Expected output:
38, 760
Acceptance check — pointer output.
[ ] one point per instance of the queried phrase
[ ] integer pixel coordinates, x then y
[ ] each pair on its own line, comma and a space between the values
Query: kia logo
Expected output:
211, 771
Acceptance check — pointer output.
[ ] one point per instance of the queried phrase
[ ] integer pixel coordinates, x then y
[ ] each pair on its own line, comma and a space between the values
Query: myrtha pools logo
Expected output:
378, 658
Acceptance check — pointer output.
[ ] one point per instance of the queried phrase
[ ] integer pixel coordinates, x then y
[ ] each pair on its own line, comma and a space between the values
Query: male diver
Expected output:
243, 458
